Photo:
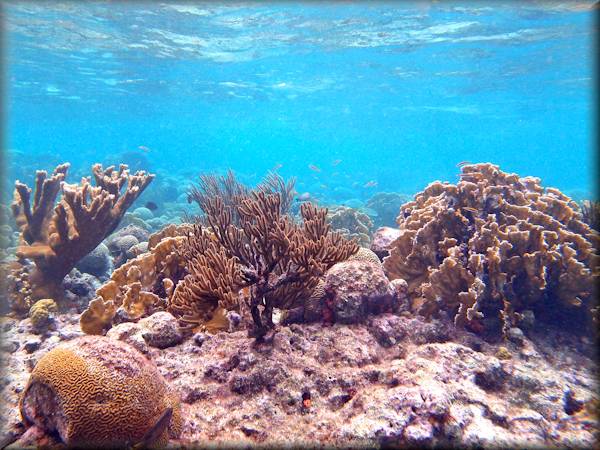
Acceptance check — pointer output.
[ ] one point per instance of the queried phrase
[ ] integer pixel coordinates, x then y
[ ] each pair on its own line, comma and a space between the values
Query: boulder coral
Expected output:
98, 392
387, 205
351, 223
56, 237
492, 246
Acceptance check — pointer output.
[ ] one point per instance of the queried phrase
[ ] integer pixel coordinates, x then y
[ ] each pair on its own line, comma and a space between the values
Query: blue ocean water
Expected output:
352, 98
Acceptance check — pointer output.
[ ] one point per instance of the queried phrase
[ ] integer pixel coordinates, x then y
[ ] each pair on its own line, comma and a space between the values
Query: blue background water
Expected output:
399, 92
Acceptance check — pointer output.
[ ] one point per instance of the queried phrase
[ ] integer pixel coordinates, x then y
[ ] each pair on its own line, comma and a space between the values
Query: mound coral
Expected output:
351, 223
493, 246
98, 392
55, 238
41, 312
387, 205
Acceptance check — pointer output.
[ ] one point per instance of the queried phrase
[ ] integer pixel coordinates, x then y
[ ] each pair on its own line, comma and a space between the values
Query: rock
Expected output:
381, 240
419, 433
516, 335
131, 334
82, 285
161, 330
492, 377
32, 345
137, 249
385, 330
67, 335
143, 213
572, 404
355, 288
98, 262
200, 337
9, 346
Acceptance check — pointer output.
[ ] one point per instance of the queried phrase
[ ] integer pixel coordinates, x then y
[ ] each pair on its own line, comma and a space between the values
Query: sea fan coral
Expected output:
493, 246
250, 242
57, 237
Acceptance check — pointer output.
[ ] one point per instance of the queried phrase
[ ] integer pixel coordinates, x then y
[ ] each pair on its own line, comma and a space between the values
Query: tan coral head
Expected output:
97, 392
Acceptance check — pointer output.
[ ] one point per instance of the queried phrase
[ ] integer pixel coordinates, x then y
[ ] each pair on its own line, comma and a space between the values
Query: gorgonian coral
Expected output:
55, 238
492, 246
248, 241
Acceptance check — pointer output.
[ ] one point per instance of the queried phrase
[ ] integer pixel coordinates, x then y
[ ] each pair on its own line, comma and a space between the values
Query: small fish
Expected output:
324, 186
314, 168
151, 206
468, 208
336, 162
277, 167
156, 431
143, 148
464, 163
370, 184
304, 197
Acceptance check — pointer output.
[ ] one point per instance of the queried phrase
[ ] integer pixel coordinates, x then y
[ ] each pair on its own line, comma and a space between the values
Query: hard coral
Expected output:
492, 246
351, 223
387, 205
141, 285
57, 237
41, 312
97, 392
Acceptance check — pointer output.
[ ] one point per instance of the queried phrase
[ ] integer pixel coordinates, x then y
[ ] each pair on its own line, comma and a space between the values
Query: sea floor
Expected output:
393, 381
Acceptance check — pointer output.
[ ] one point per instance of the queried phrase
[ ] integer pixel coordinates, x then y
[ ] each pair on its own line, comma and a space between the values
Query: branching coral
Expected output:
251, 243
351, 223
493, 246
57, 237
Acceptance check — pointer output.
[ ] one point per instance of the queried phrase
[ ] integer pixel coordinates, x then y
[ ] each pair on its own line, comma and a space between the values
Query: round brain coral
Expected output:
97, 392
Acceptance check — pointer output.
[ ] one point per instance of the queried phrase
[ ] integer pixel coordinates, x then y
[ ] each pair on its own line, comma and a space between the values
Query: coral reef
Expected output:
590, 209
98, 392
55, 238
41, 313
356, 288
250, 243
493, 246
141, 285
387, 205
351, 223
382, 239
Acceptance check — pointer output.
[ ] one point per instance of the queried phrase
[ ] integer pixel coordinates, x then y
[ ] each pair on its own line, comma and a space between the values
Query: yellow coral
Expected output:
41, 311
97, 392
493, 245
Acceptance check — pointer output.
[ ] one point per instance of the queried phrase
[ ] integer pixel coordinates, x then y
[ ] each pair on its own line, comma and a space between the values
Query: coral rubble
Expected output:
55, 238
493, 246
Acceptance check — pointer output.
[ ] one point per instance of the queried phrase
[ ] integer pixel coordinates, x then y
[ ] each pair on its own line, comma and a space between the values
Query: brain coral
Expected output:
97, 392
493, 246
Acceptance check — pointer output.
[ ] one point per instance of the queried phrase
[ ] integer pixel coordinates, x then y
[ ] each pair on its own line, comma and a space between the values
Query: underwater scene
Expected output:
299, 224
